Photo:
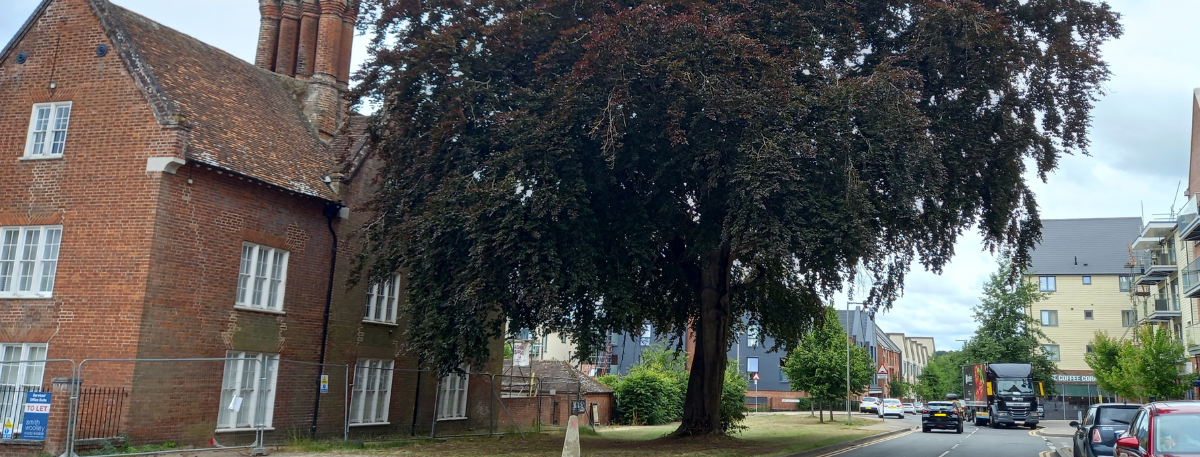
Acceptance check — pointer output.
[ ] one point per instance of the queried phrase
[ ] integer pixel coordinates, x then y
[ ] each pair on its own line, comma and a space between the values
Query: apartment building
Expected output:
1083, 265
915, 354
161, 198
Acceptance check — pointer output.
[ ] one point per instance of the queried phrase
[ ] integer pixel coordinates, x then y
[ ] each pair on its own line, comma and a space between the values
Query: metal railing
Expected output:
1156, 257
99, 412
1190, 277
1165, 302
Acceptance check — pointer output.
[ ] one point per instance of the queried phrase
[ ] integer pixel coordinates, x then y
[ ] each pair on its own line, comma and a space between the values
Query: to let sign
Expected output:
37, 416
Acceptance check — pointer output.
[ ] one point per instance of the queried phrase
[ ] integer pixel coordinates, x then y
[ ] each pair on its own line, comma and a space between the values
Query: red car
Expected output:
1162, 429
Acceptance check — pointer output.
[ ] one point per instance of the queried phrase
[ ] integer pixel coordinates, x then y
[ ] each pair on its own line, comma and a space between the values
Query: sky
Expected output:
1139, 154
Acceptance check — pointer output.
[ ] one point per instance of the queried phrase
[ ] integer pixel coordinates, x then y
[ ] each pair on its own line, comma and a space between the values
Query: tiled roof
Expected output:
241, 118
1085, 246
557, 374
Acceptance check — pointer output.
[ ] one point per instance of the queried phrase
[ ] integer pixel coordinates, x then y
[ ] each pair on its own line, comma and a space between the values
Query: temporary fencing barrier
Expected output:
255, 400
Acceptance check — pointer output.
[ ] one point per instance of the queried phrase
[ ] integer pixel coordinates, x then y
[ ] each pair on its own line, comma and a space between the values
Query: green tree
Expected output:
818, 365
1153, 364
900, 388
1105, 362
1007, 331
587, 167
942, 375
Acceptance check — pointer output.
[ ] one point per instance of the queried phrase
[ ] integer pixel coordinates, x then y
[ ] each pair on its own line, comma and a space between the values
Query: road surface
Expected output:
973, 442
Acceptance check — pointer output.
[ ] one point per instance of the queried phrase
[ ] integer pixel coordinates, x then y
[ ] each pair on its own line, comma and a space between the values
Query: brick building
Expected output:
162, 198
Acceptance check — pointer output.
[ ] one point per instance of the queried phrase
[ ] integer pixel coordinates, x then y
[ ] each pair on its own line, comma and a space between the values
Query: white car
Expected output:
891, 407
918, 406
869, 405
909, 409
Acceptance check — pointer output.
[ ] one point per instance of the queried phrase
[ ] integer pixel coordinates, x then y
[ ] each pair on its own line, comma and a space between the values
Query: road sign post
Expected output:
754, 377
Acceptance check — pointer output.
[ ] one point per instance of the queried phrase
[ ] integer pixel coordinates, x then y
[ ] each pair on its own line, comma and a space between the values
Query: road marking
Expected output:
944, 454
869, 443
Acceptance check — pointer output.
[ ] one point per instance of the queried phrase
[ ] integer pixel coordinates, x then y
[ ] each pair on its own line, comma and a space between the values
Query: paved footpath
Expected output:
973, 442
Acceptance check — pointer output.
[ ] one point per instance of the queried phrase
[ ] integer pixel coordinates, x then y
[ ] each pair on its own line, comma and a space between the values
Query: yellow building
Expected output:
1083, 265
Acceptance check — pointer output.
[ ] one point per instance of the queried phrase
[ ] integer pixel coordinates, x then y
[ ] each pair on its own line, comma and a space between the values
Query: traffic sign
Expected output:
754, 376
882, 370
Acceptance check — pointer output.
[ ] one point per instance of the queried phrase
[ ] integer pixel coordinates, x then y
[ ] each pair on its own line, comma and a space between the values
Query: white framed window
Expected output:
383, 301
20, 372
29, 260
1047, 283
1049, 318
372, 392
262, 277
48, 130
1051, 351
1128, 318
248, 391
452, 396
1087, 280
752, 364
1124, 283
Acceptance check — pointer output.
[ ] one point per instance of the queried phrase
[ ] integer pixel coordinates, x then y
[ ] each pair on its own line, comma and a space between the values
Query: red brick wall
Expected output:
525, 410
774, 399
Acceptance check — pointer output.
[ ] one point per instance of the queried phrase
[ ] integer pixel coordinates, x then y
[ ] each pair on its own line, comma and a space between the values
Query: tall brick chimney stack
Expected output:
310, 40
268, 34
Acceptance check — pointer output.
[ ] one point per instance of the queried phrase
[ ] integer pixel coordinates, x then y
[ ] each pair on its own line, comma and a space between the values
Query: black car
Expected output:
1098, 432
941, 415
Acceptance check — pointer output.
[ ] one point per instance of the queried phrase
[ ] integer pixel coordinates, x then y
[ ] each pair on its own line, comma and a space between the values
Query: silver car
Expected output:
909, 408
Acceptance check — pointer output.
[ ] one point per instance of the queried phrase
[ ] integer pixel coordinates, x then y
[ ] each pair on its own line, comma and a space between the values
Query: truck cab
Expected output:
1002, 394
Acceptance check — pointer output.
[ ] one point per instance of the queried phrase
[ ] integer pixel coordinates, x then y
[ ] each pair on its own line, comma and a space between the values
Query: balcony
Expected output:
1155, 265
1161, 307
1161, 227
1190, 277
1189, 221
1191, 340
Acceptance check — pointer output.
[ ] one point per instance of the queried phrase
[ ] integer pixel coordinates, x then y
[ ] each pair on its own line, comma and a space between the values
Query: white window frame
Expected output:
29, 260
1087, 280
372, 392
752, 365
753, 336
243, 377
452, 395
383, 301
1124, 283
25, 375
262, 278
1047, 283
55, 122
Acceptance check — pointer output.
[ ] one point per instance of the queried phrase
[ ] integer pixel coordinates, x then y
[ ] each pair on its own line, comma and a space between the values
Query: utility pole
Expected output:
848, 418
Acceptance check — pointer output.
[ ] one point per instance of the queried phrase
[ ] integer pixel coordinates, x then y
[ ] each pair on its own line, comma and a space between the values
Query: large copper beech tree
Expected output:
587, 166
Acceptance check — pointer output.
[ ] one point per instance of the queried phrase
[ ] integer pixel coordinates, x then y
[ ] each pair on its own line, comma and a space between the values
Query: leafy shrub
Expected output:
647, 397
733, 399
609, 380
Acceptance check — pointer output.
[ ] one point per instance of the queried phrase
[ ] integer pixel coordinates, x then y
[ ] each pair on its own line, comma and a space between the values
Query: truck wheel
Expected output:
924, 429
994, 424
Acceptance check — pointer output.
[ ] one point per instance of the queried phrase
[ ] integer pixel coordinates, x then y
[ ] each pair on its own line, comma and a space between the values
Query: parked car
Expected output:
909, 408
891, 407
941, 415
869, 405
1169, 428
918, 405
1098, 432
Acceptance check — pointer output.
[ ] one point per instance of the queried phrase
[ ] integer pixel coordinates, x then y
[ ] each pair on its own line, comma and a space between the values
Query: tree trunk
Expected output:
706, 381
821, 412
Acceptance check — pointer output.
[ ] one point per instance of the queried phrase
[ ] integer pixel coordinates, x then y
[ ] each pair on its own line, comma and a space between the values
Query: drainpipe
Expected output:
330, 212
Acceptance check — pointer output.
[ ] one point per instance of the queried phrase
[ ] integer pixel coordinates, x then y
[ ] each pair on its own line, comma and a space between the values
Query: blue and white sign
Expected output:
37, 416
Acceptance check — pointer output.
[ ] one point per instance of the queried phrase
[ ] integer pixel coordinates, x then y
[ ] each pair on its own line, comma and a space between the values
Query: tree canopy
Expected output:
1008, 332
942, 375
587, 167
819, 364
1146, 368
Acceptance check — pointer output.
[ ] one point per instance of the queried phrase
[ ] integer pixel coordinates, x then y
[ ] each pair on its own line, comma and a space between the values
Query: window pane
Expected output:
244, 272
390, 313
260, 275
28, 259
276, 280
50, 259
752, 364
60, 118
43, 119
371, 301
8, 255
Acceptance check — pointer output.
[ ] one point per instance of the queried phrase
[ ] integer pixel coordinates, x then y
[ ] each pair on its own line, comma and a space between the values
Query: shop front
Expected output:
1075, 392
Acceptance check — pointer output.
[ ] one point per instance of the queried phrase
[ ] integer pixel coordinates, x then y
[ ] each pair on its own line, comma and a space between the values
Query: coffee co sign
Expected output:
1074, 378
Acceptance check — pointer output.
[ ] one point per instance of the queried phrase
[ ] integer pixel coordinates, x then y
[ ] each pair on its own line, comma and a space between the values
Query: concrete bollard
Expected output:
571, 445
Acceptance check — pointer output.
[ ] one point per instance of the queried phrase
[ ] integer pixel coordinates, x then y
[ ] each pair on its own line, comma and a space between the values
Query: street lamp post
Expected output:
848, 326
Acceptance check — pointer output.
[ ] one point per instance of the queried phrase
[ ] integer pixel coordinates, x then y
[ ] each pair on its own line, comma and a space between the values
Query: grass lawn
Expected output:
766, 435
